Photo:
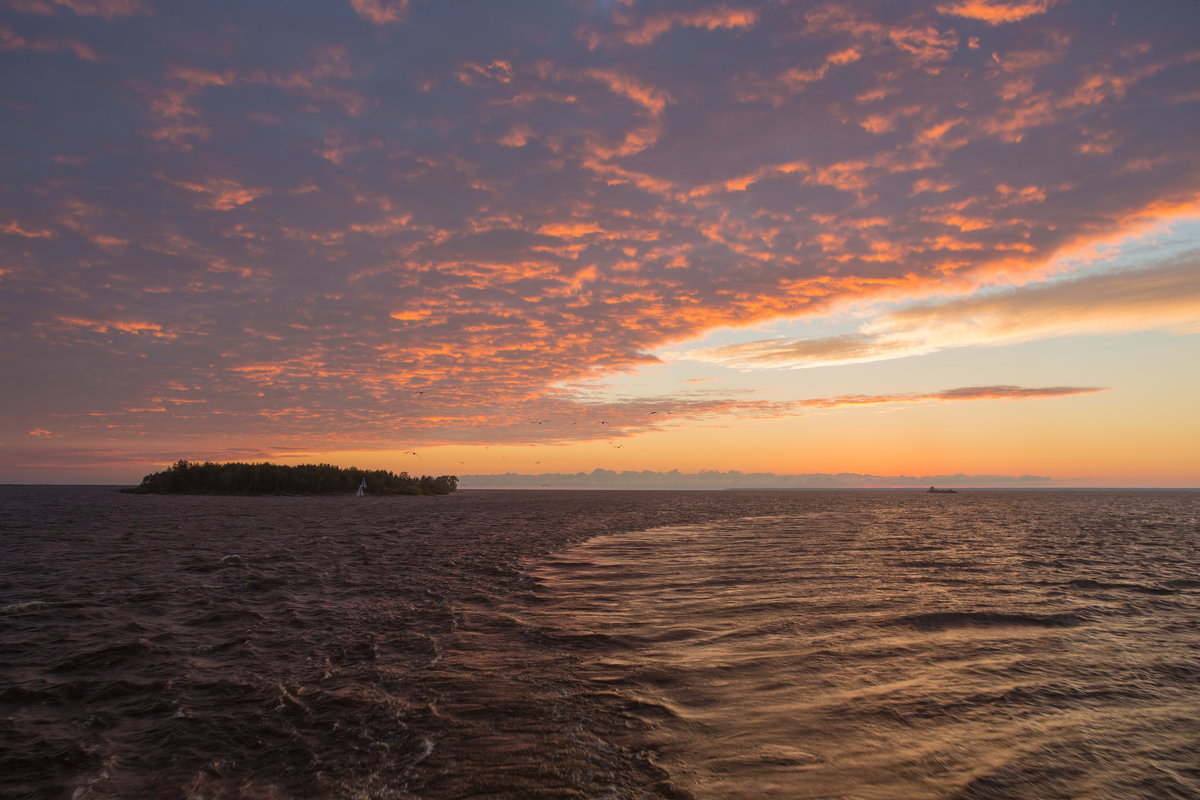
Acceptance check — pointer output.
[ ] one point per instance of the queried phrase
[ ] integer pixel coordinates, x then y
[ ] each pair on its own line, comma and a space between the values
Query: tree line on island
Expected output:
190, 477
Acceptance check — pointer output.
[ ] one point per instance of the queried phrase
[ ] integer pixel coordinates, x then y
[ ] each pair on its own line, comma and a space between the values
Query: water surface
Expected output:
600, 644
986, 645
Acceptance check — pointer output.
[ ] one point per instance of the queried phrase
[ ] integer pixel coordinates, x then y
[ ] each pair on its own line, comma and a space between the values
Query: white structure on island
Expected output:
362, 488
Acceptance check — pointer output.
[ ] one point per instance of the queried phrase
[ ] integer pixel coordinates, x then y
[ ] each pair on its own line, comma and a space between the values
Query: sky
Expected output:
862, 242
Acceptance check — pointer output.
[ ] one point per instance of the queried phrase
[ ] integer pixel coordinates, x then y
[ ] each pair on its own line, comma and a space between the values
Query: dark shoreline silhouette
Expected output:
208, 477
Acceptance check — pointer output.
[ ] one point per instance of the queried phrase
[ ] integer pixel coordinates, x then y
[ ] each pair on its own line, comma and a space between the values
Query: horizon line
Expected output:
527, 488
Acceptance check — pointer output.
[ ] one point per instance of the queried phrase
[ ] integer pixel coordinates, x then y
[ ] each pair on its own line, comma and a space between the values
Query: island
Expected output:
208, 477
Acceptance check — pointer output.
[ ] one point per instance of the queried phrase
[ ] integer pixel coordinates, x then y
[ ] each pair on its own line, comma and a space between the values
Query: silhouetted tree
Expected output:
185, 477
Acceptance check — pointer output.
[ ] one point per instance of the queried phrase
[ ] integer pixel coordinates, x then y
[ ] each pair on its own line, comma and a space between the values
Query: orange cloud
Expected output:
137, 327
570, 230
644, 94
1162, 298
473, 74
718, 18
795, 77
996, 12
221, 194
927, 45
518, 136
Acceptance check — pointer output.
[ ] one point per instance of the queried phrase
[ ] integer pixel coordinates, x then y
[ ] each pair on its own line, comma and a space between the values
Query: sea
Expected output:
840, 645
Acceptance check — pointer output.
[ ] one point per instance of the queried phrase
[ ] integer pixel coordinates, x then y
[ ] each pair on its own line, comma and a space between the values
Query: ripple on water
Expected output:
806, 656
704, 644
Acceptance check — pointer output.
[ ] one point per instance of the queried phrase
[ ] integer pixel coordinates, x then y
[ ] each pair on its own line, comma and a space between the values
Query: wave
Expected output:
1087, 583
23, 607
108, 657
943, 620
300, 648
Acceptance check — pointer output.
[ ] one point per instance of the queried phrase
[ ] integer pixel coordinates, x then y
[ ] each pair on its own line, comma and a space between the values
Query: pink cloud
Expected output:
108, 9
381, 12
14, 228
11, 40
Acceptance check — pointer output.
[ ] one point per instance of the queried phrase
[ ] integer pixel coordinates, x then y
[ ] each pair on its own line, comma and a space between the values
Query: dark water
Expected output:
600, 645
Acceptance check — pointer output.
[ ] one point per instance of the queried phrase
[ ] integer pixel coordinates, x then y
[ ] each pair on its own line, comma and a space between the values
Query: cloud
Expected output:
108, 9
996, 12
137, 327
721, 17
1166, 297
380, 12
715, 479
421, 227
14, 228
221, 194
961, 393
11, 40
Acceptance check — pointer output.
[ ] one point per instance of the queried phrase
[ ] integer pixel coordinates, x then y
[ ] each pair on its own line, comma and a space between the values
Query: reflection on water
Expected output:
1015, 646
677, 644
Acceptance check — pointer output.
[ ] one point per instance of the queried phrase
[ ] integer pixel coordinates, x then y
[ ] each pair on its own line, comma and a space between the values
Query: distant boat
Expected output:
933, 490
362, 488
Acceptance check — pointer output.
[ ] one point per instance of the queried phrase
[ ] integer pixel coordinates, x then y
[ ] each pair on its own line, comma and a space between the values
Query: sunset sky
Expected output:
876, 237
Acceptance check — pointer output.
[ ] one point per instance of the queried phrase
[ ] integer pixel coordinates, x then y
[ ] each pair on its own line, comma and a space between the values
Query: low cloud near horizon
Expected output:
733, 479
555, 421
